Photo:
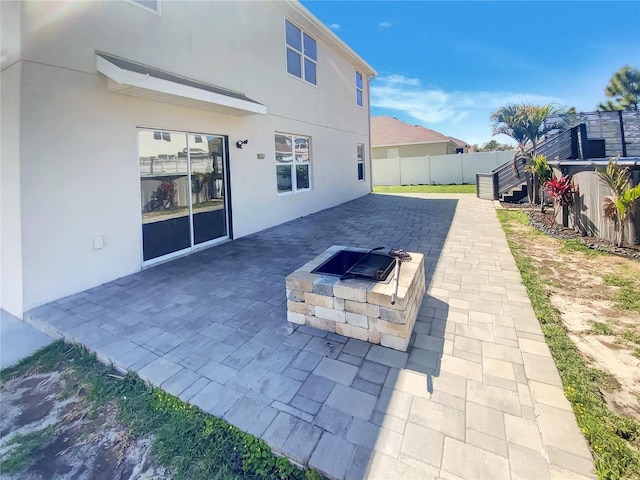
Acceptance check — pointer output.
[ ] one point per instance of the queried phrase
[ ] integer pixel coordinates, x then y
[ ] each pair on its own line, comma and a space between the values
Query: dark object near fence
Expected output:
504, 179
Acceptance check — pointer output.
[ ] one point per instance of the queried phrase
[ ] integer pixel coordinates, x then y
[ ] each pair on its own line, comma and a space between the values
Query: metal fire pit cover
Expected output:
373, 267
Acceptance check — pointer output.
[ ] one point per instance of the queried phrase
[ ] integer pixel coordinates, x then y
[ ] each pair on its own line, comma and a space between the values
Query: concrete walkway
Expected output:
18, 340
476, 396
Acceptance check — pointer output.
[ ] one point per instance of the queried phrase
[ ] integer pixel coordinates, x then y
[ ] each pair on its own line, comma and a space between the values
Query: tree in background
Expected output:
492, 146
623, 90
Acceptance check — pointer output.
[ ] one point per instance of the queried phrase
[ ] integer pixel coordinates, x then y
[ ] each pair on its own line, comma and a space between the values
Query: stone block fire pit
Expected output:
356, 307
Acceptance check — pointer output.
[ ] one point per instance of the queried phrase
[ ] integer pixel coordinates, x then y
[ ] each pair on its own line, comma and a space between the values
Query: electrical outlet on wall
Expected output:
98, 242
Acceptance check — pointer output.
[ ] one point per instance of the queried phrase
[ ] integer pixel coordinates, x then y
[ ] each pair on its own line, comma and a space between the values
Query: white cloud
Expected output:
335, 26
393, 80
462, 114
405, 94
385, 25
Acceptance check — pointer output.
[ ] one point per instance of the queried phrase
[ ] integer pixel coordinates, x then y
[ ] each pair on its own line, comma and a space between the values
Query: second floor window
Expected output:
359, 88
302, 54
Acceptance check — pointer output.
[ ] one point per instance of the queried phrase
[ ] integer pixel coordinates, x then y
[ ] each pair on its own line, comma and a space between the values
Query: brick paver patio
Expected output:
477, 395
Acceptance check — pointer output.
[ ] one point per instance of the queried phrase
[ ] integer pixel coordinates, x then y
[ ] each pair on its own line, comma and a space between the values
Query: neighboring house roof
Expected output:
391, 131
460, 143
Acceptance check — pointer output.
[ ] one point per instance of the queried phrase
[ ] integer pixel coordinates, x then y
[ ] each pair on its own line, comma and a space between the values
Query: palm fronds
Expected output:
617, 206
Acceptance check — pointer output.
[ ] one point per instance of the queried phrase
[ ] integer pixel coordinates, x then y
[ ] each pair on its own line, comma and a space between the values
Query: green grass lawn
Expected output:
192, 444
425, 189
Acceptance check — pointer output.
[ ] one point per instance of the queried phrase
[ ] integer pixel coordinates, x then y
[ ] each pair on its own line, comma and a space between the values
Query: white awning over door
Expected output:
138, 80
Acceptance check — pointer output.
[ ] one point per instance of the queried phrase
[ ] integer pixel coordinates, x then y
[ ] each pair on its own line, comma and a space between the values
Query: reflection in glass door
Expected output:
182, 187
207, 187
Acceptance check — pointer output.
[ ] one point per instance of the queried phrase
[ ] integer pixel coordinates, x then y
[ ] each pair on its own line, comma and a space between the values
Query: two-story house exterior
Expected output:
137, 131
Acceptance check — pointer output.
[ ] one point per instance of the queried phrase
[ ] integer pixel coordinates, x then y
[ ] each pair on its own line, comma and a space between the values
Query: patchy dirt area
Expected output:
541, 222
48, 432
598, 297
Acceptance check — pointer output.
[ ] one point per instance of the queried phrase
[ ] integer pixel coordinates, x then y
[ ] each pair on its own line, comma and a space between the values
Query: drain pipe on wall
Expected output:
369, 78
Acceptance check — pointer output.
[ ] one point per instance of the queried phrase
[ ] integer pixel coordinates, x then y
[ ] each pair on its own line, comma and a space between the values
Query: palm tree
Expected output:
535, 125
541, 172
623, 90
507, 120
526, 124
618, 206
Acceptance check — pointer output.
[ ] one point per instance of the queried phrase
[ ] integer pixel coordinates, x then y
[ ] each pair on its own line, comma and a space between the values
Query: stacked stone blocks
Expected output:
357, 308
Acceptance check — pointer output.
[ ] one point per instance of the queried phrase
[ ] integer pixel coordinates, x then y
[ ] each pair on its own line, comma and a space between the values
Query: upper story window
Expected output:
302, 53
359, 88
153, 5
360, 154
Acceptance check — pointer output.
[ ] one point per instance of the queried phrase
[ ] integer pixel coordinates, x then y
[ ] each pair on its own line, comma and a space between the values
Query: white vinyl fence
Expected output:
436, 169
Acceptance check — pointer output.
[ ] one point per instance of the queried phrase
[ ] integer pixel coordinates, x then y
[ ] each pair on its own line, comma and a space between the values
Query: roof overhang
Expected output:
601, 162
393, 145
138, 80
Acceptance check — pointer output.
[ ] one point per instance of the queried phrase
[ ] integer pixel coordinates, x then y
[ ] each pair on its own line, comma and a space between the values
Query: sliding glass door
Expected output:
182, 192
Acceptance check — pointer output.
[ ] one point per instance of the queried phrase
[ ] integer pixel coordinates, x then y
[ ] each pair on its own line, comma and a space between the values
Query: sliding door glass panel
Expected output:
164, 193
207, 187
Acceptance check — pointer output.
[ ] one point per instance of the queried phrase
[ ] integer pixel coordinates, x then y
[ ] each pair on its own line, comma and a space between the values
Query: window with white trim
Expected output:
302, 53
359, 88
360, 157
293, 163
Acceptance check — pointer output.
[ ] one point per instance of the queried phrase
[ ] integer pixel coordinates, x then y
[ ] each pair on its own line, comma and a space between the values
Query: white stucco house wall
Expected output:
134, 132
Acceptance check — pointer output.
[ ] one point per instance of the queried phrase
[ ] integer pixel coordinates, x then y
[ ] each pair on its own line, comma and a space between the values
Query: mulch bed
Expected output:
541, 221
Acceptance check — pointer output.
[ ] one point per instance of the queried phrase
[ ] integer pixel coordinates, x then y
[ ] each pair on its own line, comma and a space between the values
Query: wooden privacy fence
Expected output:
585, 215
436, 169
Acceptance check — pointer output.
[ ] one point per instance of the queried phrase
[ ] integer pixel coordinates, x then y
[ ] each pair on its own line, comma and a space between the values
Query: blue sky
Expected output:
449, 65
